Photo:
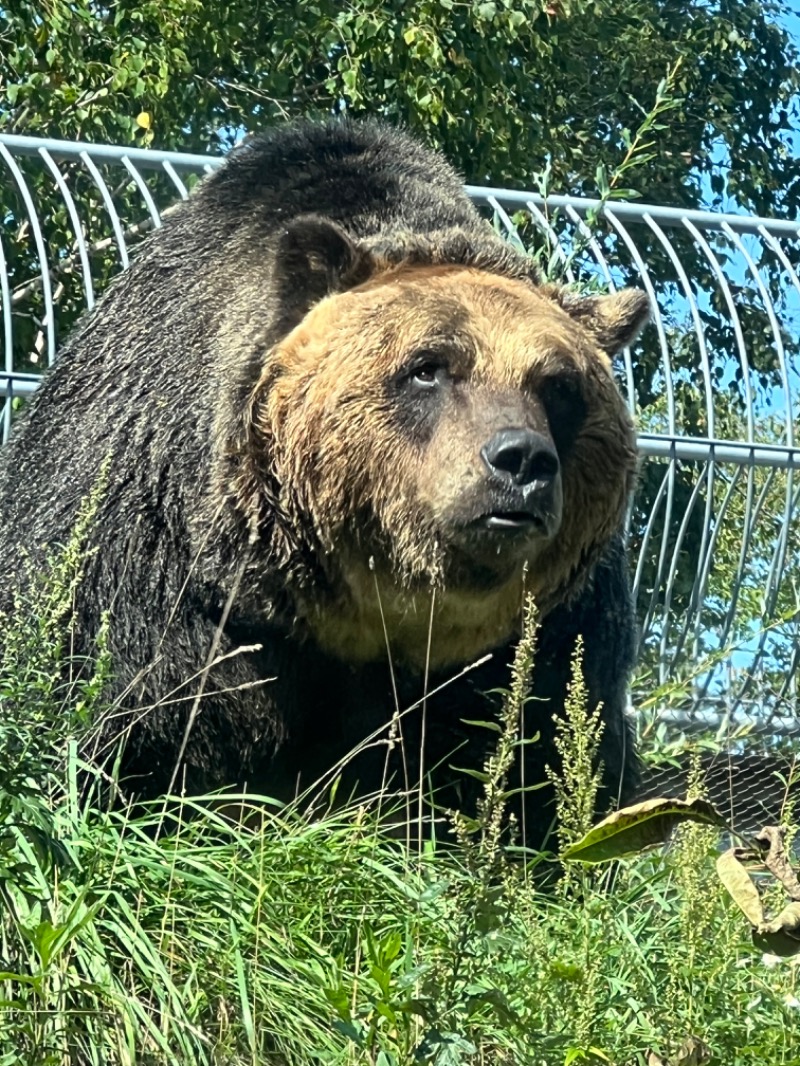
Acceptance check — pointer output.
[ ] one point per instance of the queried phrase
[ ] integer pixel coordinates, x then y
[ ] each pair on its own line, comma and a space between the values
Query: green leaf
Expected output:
350, 1030
479, 775
632, 829
601, 179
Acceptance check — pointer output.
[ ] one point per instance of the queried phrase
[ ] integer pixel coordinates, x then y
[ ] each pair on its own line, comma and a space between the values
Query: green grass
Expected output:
276, 937
326, 942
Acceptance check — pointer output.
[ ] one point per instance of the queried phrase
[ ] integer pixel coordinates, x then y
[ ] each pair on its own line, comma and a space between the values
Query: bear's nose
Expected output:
521, 456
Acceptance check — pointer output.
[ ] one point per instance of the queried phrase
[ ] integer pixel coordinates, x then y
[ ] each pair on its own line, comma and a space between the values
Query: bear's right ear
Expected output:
314, 258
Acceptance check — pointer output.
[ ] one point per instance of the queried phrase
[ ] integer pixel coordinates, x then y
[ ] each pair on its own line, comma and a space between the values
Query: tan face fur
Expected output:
442, 431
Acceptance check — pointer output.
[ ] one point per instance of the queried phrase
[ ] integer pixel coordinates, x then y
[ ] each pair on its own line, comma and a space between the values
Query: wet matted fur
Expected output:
342, 419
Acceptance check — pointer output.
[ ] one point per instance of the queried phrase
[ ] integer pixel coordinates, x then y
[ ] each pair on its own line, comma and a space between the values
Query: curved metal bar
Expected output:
169, 170
147, 158
793, 505
553, 240
699, 591
738, 333
753, 491
772, 590
785, 262
47, 291
774, 326
649, 288
663, 551
738, 696
8, 341
591, 244
697, 599
779, 558
154, 159
594, 246
72, 211
116, 224
688, 291
8, 325
680, 536
779, 562
511, 230
751, 511
666, 243
791, 677
141, 185
665, 492
635, 212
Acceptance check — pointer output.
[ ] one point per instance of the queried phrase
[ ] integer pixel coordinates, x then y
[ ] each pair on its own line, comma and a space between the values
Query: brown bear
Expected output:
342, 422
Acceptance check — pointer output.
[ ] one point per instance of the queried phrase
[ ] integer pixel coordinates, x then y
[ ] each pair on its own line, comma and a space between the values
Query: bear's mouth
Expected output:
498, 534
508, 521
511, 522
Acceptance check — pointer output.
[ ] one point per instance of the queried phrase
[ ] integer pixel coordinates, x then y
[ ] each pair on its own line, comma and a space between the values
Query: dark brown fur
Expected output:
281, 479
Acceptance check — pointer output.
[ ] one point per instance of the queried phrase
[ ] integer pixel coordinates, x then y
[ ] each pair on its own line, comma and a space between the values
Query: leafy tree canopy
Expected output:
502, 85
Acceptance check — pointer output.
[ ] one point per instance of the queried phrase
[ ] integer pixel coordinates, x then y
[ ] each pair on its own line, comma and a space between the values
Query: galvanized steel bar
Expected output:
701, 450
635, 212
105, 192
172, 173
650, 289
148, 158
7, 393
72, 211
150, 204
553, 240
48, 321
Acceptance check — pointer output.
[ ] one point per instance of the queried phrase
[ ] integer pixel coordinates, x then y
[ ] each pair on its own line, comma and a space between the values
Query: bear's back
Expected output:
367, 176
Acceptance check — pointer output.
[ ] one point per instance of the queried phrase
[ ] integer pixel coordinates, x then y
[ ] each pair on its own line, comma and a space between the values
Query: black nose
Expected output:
521, 457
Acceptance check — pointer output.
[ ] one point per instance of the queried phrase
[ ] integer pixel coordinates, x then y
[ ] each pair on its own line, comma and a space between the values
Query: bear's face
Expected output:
445, 428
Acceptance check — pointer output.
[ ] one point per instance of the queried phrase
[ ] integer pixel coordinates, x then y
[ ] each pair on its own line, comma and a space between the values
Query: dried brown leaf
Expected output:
740, 887
781, 936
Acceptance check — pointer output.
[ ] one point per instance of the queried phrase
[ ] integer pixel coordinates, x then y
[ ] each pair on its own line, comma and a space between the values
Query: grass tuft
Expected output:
278, 937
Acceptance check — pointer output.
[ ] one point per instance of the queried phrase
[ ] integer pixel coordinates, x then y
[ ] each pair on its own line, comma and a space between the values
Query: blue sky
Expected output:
792, 23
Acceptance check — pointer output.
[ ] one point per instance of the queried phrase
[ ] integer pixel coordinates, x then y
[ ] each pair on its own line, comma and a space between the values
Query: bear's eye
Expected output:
426, 373
566, 409
560, 390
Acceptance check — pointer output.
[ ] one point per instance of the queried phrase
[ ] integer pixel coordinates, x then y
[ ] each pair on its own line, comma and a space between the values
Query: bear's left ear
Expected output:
314, 258
613, 321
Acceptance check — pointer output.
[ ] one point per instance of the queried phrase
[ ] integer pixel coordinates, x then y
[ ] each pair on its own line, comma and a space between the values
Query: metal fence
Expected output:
714, 384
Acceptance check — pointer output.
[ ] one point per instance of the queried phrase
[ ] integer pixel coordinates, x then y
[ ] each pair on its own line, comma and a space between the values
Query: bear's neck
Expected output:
424, 630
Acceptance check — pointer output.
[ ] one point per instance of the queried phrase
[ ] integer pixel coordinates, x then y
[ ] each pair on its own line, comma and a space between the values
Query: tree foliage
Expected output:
501, 85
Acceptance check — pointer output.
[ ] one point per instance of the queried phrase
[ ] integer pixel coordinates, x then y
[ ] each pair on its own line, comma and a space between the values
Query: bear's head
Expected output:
433, 432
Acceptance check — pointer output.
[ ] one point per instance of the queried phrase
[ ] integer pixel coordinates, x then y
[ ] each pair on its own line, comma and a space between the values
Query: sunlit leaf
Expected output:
632, 829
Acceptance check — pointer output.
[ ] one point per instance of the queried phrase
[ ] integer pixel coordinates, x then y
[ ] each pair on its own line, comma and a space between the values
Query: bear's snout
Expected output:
524, 472
522, 457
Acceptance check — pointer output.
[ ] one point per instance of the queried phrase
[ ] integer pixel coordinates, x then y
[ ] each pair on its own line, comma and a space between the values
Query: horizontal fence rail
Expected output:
713, 384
